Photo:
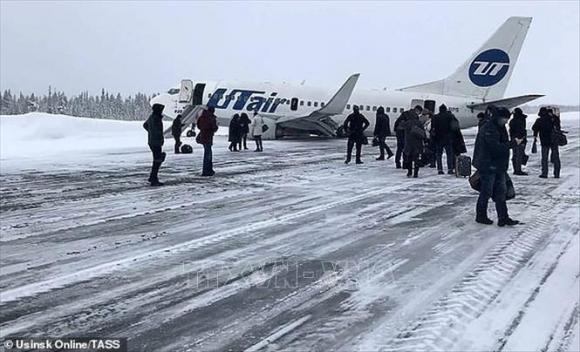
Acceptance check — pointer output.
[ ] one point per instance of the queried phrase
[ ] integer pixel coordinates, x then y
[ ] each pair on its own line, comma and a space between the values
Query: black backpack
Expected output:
186, 149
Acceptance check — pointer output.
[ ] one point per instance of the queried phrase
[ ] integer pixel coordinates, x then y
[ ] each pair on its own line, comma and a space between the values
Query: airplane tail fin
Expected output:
485, 75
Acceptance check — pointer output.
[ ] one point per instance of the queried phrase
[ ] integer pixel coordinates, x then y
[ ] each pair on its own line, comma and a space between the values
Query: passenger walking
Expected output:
382, 131
518, 130
414, 136
176, 129
441, 128
154, 127
400, 134
491, 158
207, 124
257, 129
544, 128
245, 129
235, 132
354, 126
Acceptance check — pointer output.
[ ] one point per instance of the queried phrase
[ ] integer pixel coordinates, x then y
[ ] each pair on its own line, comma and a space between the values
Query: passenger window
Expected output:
388, 109
309, 103
394, 109
401, 109
294, 104
348, 106
322, 104
301, 102
374, 108
361, 107
315, 104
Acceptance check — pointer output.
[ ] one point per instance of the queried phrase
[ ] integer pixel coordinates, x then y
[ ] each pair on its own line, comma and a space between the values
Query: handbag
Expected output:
535, 146
559, 138
511, 191
264, 128
475, 181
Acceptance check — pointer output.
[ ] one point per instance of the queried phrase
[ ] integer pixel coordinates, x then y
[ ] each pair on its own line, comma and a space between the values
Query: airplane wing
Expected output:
320, 120
506, 102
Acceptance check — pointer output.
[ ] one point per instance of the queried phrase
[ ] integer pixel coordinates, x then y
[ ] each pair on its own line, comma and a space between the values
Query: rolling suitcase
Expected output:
463, 166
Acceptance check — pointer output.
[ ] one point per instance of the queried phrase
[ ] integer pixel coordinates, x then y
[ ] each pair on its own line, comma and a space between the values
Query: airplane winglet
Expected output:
338, 102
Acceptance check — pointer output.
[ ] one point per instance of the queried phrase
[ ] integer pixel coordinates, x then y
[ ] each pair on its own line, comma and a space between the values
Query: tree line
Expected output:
103, 106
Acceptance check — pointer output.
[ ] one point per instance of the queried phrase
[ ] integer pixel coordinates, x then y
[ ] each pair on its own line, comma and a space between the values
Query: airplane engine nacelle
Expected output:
271, 132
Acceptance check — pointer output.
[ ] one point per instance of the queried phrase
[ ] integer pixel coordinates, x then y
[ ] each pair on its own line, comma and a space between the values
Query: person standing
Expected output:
441, 127
544, 127
235, 133
382, 131
176, 129
354, 126
457, 141
207, 124
491, 158
518, 130
257, 129
400, 134
414, 137
155, 140
428, 157
244, 129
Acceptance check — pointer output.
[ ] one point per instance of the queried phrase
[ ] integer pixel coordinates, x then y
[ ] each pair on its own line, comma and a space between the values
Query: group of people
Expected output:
421, 138
492, 152
207, 124
240, 127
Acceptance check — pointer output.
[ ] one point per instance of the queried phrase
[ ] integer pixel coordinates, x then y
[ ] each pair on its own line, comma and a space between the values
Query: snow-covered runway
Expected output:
289, 249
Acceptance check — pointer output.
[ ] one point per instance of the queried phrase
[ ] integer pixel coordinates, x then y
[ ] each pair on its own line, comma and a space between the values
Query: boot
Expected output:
358, 161
389, 154
398, 165
409, 172
382, 157
156, 183
507, 222
416, 172
347, 160
483, 219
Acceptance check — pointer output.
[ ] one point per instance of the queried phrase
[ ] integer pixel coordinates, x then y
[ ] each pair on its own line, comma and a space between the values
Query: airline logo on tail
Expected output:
489, 67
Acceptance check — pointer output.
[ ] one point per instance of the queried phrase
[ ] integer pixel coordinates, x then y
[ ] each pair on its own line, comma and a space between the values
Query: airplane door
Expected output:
430, 105
185, 91
198, 94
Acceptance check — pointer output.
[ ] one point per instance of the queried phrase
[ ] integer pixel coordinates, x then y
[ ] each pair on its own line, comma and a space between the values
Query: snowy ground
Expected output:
289, 249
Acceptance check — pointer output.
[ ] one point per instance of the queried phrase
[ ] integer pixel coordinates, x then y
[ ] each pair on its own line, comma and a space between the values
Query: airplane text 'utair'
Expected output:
248, 100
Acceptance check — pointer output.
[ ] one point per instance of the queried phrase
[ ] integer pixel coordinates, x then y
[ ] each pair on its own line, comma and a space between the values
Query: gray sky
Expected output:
150, 46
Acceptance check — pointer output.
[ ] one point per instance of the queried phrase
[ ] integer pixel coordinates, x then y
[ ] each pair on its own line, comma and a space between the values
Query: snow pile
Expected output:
35, 134
39, 134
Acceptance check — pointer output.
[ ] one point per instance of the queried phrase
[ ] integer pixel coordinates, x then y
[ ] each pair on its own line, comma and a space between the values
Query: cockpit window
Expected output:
173, 91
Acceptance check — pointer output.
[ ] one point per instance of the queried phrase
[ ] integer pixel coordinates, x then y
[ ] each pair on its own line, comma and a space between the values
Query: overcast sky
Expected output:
150, 46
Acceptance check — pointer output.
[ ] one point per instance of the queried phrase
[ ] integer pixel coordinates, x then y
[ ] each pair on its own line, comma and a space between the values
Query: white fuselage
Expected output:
274, 101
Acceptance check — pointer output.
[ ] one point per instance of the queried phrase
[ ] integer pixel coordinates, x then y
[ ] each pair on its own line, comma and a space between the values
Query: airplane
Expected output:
300, 111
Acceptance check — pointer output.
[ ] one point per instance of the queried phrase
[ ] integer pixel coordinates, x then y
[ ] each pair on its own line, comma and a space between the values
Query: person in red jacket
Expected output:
207, 124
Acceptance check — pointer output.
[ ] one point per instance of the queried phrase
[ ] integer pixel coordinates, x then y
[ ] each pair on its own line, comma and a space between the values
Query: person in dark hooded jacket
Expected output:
491, 158
155, 140
176, 129
244, 130
543, 127
414, 137
400, 133
441, 129
382, 131
354, 126
518, 131
207, 124
235, 133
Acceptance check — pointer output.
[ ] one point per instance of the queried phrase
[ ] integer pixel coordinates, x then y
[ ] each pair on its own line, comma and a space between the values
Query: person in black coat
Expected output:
235, 133
244, 130
400, 133
491, 158
441, 129
414, 137
176, 129
457, 141
543, 127
518, 130
382, 131
155, 140
354, 126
